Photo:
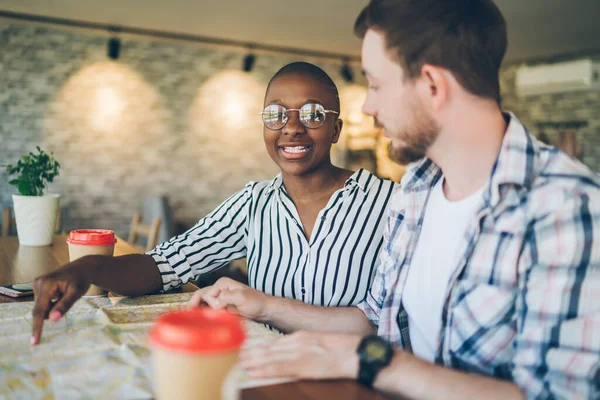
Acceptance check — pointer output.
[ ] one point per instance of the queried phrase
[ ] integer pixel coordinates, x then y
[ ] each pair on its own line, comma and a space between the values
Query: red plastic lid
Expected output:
92, 237
199, 330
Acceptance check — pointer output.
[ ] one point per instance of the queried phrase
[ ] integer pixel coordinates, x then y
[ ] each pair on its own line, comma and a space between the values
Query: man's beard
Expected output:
405, 155
418, 135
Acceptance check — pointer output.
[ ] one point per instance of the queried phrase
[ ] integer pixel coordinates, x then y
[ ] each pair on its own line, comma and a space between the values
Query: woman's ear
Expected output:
337, 130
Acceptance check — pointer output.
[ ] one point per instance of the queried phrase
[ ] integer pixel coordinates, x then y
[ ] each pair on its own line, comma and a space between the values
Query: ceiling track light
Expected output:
346, 72
113, 48
248, 63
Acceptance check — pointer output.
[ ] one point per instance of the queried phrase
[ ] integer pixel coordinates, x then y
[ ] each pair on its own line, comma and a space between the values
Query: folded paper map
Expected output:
98, 350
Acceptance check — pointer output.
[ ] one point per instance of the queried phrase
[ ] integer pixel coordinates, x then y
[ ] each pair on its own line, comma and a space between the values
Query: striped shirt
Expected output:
260, 222
523, 302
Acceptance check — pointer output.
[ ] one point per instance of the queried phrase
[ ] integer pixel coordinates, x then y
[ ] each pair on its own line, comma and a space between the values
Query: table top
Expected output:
20, 264
312, 390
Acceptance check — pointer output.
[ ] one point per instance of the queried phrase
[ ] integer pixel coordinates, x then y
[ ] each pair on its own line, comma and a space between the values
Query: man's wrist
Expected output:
400, 364
350, 364
349, 358
269, 309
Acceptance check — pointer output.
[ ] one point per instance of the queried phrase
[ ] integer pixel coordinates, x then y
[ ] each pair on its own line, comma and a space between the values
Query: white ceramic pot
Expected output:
36, 218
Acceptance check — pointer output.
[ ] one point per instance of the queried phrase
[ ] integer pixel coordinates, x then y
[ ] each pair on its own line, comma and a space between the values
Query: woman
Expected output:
313, 233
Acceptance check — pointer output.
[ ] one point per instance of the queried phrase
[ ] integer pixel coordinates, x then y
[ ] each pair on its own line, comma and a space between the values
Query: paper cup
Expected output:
84, 242
193, 352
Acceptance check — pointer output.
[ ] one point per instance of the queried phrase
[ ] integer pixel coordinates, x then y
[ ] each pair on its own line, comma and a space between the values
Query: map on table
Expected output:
100, 349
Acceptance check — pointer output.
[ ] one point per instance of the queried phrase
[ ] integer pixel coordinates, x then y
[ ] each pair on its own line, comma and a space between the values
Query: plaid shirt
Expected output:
523, 302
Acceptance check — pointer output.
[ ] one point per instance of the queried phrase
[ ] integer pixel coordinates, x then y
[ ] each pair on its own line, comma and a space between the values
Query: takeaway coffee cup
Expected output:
85, 242
193, 351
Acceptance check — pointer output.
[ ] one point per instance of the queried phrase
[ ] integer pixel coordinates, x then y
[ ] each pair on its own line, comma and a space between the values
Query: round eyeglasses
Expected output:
311, 115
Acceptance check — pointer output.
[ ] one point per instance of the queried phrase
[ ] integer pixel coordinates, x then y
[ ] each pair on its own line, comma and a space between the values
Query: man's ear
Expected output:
433, 86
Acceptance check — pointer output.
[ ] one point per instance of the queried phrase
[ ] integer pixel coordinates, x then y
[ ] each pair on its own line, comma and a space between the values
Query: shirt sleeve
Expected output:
372, 305
215, 240
557, 346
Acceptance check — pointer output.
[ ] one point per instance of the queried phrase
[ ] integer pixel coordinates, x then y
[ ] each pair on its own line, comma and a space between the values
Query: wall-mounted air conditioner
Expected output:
558, 77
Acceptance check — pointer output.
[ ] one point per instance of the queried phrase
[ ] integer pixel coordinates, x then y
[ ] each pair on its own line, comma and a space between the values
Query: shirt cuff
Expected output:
370, 308
170, 279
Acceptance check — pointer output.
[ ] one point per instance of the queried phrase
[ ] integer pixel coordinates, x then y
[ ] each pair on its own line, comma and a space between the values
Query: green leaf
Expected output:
23, 188
33, 172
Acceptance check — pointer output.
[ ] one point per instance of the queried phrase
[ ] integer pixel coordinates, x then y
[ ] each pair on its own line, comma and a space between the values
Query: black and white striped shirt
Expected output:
261, 223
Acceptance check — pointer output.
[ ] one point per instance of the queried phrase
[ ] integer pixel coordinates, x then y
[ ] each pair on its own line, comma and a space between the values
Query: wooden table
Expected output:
312, 390
19, 264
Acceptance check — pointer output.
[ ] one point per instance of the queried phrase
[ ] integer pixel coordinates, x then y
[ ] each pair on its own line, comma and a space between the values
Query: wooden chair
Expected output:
240, 265
150, 232
8, 222
361, 147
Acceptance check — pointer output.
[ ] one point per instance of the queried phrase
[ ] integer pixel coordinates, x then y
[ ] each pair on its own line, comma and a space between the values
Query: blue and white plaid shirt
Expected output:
523, 303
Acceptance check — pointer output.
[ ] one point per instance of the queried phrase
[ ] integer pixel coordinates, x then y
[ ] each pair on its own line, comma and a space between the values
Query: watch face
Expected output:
375, 351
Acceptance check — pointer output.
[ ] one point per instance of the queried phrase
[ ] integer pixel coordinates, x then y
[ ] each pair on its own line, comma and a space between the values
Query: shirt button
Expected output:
323, 218
303, 290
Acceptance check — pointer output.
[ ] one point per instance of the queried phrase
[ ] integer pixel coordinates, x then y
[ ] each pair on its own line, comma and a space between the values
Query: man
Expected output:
489, 282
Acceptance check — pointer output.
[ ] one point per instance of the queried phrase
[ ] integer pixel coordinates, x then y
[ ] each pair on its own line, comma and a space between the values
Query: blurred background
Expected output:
153, 106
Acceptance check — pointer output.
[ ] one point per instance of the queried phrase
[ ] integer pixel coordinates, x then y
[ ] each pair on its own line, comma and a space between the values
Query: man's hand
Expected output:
304, 355
235, 297
56, 293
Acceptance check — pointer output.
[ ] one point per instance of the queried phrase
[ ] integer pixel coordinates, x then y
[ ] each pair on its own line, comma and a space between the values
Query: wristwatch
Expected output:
374, 353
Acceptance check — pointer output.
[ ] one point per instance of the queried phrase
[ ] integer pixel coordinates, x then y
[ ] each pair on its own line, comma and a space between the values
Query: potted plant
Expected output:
35, 212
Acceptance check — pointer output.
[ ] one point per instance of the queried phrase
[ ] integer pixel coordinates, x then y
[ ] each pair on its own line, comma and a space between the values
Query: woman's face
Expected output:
296, 149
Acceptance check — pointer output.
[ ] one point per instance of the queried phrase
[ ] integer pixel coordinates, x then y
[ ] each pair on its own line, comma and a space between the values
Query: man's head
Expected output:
420, 56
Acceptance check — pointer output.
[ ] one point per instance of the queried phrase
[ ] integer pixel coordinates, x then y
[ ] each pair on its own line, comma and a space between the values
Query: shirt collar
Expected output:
275, 183
362, 178
515, 164
420, 175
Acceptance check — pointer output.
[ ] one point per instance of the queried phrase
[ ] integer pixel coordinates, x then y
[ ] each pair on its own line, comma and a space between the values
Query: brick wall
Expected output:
132, 128
150, 136
557, 107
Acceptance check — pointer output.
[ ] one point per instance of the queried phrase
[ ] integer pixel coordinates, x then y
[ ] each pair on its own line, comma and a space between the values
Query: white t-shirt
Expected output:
444, 227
